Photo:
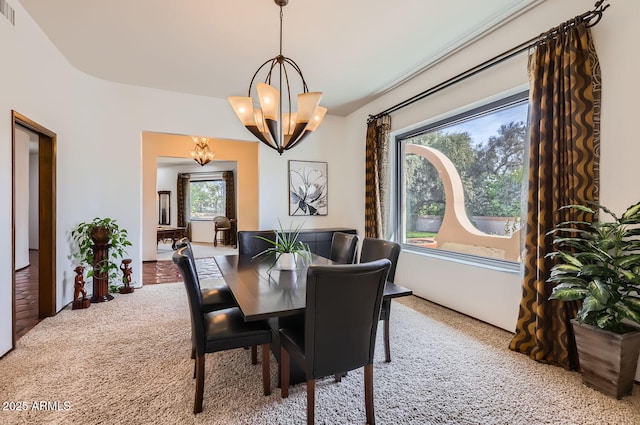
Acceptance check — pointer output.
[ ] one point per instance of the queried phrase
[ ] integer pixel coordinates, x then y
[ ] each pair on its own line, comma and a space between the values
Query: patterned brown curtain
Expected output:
377, 177
563, 170
230, 202
182, 194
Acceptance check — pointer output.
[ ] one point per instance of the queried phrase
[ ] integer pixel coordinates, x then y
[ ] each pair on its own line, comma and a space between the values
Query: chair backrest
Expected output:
343, 248
221, 222
248, 244
185, 242
192, 285
374, 249
341, 315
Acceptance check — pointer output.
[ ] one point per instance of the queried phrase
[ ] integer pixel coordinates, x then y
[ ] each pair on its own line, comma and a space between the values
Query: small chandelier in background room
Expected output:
201, 153
277, 129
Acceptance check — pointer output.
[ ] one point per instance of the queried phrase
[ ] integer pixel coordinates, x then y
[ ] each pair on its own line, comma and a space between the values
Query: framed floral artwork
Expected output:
308, 191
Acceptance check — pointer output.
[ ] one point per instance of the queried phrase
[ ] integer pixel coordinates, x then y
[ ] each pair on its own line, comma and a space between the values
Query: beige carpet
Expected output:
127, 362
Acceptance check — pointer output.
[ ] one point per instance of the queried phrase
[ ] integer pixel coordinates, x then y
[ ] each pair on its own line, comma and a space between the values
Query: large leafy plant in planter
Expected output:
599, 263
85, 234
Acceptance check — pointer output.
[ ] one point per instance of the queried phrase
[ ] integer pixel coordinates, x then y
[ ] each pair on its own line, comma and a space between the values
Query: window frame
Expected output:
397, 205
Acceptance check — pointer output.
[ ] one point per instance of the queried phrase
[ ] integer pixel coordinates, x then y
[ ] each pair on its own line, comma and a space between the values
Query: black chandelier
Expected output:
277, 129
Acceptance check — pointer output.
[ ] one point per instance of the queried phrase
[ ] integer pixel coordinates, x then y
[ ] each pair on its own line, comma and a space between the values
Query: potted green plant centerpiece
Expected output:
101, 244
286, 247
599, 263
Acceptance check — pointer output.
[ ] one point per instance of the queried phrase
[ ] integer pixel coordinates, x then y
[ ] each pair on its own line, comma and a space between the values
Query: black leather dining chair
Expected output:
374, 249
215, 298
341, 315
343, 248
219, 330
249, 244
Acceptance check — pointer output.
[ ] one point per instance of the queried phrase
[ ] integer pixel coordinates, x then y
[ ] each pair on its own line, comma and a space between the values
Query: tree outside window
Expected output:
207, 199
488, 152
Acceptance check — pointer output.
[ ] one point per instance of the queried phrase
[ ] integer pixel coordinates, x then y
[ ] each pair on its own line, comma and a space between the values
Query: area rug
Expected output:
127, 361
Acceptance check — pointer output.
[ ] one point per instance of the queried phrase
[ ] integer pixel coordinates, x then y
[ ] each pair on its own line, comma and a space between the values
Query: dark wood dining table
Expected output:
266, 293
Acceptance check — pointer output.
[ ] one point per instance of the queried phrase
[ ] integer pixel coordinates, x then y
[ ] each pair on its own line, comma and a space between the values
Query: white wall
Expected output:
99, 166
21, 158
99, 126
34, 201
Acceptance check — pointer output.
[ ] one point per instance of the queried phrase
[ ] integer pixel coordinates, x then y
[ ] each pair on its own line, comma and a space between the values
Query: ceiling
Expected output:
352, 51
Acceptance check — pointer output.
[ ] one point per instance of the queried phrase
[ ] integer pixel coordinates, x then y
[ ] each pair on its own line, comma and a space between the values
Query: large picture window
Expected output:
461, 182
207, 199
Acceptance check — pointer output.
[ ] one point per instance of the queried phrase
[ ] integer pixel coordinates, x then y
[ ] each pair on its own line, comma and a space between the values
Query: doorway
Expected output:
45, 266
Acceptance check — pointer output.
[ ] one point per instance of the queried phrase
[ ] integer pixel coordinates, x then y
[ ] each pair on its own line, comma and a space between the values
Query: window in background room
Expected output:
471, 166
207, 198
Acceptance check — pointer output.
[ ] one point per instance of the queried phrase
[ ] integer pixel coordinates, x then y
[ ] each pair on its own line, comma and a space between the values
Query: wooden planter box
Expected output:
608, 360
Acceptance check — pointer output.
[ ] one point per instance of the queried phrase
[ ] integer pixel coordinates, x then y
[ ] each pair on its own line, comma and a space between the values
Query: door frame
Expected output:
46, 217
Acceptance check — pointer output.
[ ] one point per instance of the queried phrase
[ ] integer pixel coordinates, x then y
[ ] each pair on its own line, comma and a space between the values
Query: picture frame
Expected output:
308, 188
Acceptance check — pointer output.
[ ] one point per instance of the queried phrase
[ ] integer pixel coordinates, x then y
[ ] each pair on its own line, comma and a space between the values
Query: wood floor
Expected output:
27, 296
153, 272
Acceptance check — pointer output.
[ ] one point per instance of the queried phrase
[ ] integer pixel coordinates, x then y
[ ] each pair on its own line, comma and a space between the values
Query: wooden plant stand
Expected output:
100, 278
81, 303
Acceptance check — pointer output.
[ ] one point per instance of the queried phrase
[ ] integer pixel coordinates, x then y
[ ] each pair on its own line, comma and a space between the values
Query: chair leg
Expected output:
284, 373
266, 370
311, 401
338, 377
215, 238
387, 345
368, 394
193, 356
197, 405
254, 354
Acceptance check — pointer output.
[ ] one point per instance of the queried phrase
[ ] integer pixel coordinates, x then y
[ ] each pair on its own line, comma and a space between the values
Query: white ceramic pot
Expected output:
287, 261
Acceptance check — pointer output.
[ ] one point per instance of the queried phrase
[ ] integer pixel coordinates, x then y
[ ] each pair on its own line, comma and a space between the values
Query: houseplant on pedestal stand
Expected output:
101, 243
599, 264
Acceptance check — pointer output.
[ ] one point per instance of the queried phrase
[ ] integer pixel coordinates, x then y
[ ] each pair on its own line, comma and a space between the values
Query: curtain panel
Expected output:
182, 195
377, 159
563, 170
230, 203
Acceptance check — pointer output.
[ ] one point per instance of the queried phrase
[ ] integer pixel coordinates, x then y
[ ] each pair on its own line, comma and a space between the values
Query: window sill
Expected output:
469, 260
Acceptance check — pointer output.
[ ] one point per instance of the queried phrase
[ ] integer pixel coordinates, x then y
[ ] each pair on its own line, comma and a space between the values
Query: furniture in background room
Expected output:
343, 248
340, 322
374, 249
164, 207
219, 330
173, 233
221, 229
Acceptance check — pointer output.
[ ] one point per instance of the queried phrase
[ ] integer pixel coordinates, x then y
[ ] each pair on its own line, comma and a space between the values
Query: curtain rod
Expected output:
596, 14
